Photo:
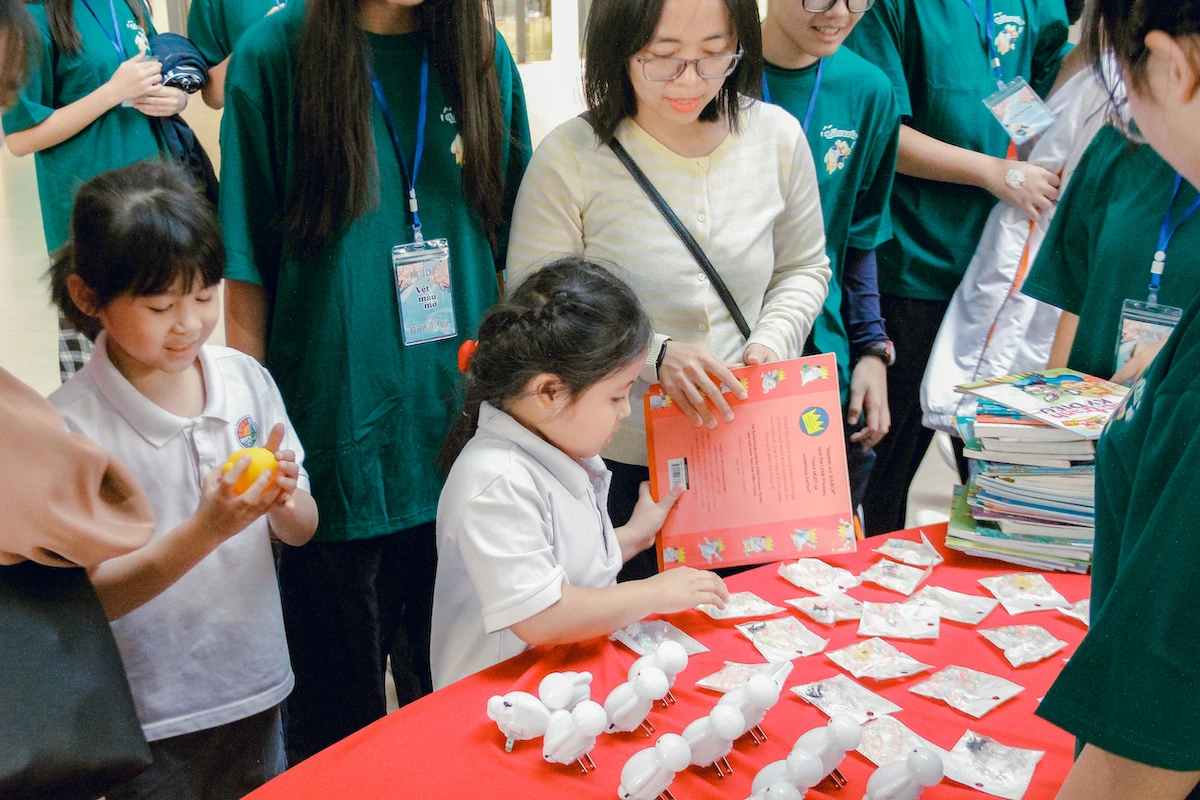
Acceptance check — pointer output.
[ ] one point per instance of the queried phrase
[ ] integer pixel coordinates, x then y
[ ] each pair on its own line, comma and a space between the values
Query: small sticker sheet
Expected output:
1019, 109
970, 609
782, 639
1022, 592
734, 675
968, 690
829, 609
1024, 644
897, 577
915, 554
887, 739
740, 606
644, 638
899, 621
982, 763
818, 577
841, 695
876, 659
1081, 611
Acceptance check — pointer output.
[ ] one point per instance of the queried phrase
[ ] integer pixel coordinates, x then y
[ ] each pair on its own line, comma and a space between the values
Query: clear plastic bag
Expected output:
876, 659
897, 577
899, 621
954, 606
782, 639
1023, 644
740, 606
644, 638
983, 763
734, 675
887, 739
818, 577
1022, 592
828, 609
1081, 611
841, 695
915, 554
970, 691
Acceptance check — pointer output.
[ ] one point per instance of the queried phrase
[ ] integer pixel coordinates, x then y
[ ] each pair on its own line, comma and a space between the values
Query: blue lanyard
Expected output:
1165, 234
812, 98
986, 29
115, 38
409, 177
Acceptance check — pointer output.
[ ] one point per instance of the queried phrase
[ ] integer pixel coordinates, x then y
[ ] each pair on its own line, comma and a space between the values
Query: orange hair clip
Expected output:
465, 353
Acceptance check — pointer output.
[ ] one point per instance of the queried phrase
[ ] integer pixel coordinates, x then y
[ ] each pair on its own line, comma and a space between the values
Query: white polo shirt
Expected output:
516, 518
210, 649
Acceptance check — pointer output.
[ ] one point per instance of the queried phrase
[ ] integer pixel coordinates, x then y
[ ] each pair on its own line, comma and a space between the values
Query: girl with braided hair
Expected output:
527, 553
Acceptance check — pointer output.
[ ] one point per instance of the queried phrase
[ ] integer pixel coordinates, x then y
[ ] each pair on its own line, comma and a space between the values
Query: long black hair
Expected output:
16, 46
61, 16
617, 30
1120, 26
572, 318
137, 230
336, 178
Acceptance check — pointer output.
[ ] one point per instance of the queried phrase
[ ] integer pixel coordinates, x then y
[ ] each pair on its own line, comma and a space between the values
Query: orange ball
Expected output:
260, 459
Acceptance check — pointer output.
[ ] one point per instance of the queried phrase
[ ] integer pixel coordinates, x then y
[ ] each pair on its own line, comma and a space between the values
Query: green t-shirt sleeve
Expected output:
520, 147
879, 37
36, 100
207, 29
871, 224
250, 194
1051, 46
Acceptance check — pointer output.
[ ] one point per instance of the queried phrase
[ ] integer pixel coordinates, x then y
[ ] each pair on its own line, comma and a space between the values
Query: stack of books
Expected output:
1030, 499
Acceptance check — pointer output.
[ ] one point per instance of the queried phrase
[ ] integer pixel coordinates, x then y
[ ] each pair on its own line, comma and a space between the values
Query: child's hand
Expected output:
288, 470
683, 588
134, 78
223, 511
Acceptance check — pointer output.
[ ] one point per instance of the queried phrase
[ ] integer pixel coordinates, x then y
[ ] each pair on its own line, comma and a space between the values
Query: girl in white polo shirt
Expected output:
205, 655
527, 554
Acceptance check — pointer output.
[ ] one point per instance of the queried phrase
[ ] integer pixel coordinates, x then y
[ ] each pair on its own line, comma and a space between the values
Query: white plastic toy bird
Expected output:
565, 690
753, 699
801, 770
670, 657
906, 780
628, 704
711, 737
572, 734
648, 773
519, 716
831, 742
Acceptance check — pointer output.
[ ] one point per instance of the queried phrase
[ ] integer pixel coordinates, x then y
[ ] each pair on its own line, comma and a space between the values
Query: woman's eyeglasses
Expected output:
669, 68
821, 6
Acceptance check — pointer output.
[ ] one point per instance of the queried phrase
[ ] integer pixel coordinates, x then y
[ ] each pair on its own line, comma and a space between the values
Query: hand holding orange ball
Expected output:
260, 459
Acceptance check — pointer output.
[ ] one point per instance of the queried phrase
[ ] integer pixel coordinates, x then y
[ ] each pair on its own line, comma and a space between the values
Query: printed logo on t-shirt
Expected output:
843, 140
143, 43
247, 431
1011, 27
448, 115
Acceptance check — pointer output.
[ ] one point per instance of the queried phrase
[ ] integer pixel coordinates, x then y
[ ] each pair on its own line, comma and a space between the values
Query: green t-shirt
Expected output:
215, 26
119, 137
371, 412
1131, 687
853, 135
1098, 250
934, 53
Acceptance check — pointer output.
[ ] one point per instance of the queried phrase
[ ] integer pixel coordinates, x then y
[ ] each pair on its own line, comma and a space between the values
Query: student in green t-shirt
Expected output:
88, 107
215, 26
1130, 691
952, 168
853, 129
1098, 254
314, 199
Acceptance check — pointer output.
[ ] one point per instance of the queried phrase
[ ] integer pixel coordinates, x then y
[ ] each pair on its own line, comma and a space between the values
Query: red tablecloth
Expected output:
445, 746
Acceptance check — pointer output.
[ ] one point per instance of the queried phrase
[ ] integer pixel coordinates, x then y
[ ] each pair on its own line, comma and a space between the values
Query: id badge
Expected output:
1143, 324
1019, 109
422, 271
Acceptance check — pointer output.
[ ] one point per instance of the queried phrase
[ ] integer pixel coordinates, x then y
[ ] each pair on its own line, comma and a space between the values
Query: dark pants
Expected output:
348, 606
622, 497
913, 325
859, 462
221, 763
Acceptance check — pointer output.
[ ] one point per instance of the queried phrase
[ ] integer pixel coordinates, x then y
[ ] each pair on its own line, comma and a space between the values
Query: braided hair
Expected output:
572, 319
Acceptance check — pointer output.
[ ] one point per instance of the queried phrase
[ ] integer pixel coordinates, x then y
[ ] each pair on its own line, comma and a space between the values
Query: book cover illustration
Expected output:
771, 485
1060, 397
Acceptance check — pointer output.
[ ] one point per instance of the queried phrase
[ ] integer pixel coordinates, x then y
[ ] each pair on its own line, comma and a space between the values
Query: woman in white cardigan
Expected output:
668, 80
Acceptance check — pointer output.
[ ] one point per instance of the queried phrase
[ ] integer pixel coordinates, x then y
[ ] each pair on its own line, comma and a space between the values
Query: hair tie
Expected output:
465, 353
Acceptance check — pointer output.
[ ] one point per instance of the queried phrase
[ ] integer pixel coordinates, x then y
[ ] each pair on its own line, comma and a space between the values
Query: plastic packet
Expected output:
644, 637
983, 763
818, 577
1023, 644
828, 609
782, 639
1024, 591
887, 739
740, 606
915, 554
734, 675
897, 577
1081, 611
970, 691
954, 606
840, 695
899, 621
876, 659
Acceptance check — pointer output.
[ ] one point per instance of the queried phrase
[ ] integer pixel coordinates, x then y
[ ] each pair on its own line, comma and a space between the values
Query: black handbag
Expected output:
68, 728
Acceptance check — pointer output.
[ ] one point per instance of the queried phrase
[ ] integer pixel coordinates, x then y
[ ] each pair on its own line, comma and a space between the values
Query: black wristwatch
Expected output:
662, 353
884, 350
